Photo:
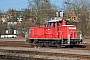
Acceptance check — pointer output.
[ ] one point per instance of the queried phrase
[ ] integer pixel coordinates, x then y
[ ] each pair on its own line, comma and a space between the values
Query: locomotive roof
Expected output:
68, 25
54, 21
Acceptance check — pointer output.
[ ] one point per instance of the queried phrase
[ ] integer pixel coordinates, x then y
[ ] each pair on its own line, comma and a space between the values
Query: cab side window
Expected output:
49, 25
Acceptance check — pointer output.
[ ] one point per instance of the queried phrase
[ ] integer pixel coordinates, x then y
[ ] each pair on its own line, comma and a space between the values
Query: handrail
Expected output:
79, 34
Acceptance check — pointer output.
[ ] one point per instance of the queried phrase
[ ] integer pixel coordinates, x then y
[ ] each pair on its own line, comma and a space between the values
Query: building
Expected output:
12, 16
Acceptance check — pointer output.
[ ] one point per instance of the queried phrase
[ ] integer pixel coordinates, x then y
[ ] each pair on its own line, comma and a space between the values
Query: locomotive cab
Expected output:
55, 23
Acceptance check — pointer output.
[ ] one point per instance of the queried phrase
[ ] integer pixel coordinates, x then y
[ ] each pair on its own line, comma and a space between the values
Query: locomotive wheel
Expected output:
69, 46
39, 44
83, 46
58, 45
46, 44
35, 41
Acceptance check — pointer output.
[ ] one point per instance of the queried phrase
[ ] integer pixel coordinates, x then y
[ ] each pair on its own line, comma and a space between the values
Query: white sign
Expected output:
7, 32
15, 31
57, 14
61, 14
72, 27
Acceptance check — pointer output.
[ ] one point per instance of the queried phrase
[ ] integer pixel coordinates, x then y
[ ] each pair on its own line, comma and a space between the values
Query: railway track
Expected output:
43, 55
21, 49
23, 44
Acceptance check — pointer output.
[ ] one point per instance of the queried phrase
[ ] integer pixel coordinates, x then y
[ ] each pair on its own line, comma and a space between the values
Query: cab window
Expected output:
49, 25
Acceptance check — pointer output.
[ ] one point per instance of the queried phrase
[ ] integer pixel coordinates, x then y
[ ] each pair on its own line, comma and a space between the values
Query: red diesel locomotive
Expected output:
55, 33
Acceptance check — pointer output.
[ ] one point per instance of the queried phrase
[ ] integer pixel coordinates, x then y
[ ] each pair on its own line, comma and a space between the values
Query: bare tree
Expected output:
42, 10
80, 7
2, 26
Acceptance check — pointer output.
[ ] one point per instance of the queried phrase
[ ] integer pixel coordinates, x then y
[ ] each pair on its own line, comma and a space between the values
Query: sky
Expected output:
20, 4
